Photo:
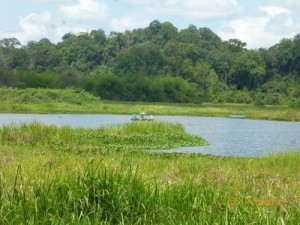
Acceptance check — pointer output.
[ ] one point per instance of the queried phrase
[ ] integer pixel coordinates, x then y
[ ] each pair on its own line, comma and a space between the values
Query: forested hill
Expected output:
157, 63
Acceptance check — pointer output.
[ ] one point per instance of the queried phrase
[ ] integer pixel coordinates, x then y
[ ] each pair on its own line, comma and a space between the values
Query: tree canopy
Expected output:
157, 63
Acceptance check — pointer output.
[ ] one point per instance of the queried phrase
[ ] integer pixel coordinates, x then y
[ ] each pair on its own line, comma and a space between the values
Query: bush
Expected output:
37, 96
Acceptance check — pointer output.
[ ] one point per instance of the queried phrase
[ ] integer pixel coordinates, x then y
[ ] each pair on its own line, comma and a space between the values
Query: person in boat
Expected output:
133, 117
142, 116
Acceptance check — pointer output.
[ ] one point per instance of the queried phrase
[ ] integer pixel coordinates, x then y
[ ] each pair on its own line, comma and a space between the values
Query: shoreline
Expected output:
277, 113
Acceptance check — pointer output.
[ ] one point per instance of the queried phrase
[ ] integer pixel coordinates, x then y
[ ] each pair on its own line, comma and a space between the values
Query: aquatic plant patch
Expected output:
130, 137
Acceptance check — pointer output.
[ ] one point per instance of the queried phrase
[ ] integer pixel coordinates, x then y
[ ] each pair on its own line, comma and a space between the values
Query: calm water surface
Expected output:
227, 136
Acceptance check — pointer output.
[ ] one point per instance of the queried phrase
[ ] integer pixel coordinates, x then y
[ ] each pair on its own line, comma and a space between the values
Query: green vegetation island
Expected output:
106, 175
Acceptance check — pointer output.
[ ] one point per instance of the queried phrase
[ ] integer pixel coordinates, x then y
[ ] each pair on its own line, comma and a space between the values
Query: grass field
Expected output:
52, 175
78, 101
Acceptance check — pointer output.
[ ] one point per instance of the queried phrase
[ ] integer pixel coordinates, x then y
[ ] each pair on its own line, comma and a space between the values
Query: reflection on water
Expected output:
227, 136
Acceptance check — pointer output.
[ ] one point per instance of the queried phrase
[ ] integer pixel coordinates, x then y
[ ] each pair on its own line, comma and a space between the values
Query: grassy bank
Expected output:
51, 175
77, 101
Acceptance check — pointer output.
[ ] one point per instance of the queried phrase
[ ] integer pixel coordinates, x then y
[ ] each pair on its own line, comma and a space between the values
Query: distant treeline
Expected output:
159, 63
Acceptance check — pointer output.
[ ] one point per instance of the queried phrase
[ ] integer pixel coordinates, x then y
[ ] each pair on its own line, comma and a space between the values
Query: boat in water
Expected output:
142, 117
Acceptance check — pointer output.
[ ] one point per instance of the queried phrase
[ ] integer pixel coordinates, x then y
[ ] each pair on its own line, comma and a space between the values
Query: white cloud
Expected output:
51, 1
33, 27
81, 16
140, 2
195, 9
85, 11
272, 11
126, 23
207, 9
287, 2
262, 31
280, 20
263, 26
250, 30
213, 6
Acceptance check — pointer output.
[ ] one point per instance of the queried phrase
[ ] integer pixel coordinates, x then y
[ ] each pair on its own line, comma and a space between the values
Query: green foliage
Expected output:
8, 44
82, 52
152, 189
109, 87
7, 77
144, 58
176, 89
107, 65
139, 88
237, 96
44, 55
34, 79
248, 70
178, 57
37, 96
20, 59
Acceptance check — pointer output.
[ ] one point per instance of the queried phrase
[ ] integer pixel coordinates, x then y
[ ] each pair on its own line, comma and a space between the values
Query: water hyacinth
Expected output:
130, 137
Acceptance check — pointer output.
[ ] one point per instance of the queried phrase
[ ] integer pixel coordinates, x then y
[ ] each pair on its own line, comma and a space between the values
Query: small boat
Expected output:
142, 117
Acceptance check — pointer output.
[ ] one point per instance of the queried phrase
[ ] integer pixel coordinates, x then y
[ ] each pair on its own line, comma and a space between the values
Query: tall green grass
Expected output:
145, 188
121, 196
44, 179
130, 137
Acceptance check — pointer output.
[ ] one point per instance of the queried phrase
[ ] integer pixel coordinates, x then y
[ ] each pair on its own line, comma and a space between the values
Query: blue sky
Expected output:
260, 23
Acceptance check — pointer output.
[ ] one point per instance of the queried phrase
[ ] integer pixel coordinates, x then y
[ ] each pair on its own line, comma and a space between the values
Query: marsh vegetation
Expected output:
52, 175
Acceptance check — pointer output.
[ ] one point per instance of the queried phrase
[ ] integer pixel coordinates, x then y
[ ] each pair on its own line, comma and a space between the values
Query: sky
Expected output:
259, 23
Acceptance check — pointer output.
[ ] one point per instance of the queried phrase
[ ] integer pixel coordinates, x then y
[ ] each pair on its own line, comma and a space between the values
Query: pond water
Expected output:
227, 136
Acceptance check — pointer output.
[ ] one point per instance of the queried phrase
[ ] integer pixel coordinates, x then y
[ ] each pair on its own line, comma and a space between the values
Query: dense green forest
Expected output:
159, 63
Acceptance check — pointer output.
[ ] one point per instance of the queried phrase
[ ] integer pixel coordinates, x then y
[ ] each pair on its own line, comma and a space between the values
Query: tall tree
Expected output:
9, 43
43, 55
82, 52
7, 77
145, 59
248, 70
296, 53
